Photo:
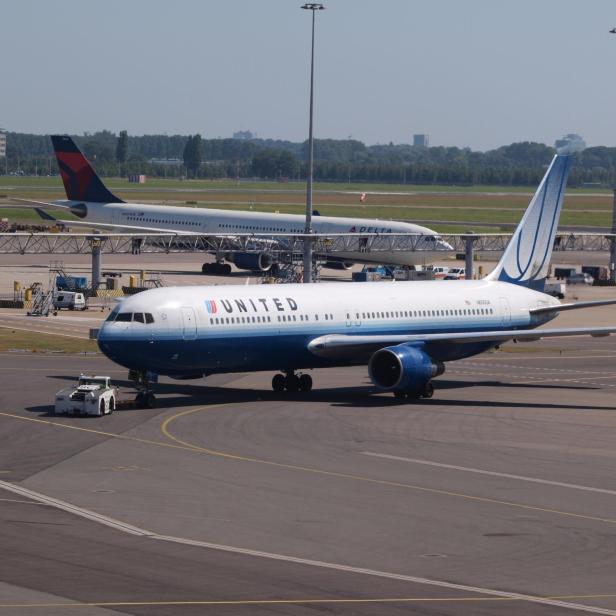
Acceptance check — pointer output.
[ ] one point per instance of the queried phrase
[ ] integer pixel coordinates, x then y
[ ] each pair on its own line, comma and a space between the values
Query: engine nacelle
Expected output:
254, 261
403, 367
339, 265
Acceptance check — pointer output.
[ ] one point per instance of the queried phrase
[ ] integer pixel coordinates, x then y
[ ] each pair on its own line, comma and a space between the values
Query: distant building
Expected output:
2, 143
243, 135
570, 139
421, 140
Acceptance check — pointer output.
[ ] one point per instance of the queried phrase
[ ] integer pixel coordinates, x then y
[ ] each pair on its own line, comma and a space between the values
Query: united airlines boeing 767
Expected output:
404, 331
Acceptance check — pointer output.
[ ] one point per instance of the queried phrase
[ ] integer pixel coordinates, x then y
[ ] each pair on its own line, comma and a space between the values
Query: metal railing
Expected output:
331, 244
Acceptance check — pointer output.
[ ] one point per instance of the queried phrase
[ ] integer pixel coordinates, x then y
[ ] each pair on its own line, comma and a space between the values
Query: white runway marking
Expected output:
133, 530
478, 471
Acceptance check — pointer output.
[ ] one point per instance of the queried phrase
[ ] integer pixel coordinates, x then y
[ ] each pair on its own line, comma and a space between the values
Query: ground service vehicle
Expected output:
580, 278
93, 395
69, 300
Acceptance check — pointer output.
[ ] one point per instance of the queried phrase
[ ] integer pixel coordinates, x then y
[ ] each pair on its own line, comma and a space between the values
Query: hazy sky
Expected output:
477, 73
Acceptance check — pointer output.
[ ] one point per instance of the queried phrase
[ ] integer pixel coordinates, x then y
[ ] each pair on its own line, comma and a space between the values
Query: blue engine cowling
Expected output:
403, 368
254, 261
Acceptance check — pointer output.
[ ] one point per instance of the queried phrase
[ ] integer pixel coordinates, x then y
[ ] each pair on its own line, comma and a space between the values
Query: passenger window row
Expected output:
460, 312
258, 228
284, 318
164, 221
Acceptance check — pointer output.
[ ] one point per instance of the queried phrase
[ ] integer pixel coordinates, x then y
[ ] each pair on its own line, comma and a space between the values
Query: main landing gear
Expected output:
427, 391
292, 382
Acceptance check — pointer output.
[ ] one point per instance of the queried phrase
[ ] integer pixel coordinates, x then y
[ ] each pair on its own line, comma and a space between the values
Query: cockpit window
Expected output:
138, 316
149, 318
113, 313
124, 317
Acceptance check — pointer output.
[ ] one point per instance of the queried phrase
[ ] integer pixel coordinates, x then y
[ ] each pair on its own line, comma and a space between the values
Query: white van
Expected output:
69, 300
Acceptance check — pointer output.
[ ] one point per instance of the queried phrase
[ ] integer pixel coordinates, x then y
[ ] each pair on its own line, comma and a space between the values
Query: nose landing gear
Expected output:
144, 399
292, 382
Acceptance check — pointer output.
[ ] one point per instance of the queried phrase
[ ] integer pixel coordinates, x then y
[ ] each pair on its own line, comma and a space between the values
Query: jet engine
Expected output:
403, 368
339, 265
254, 261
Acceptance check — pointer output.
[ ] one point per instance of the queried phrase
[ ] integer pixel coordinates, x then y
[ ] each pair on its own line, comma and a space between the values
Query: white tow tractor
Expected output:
93, 395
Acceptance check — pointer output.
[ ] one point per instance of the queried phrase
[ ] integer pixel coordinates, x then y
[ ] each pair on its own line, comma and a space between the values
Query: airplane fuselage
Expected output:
205, 221
203, 330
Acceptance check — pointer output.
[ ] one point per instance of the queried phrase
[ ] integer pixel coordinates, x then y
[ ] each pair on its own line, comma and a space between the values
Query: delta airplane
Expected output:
90, 200
404, 331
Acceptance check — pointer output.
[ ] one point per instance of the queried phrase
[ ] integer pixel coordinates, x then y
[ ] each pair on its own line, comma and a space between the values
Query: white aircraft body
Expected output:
404, 331
91, 201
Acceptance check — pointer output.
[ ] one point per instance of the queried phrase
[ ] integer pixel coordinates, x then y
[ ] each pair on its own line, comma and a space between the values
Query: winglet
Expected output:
80, 180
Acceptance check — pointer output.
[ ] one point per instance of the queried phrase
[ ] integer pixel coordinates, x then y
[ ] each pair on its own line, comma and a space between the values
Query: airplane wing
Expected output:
343, 345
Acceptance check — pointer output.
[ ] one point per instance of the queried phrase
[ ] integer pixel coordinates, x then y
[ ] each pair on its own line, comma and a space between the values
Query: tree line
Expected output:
336, 160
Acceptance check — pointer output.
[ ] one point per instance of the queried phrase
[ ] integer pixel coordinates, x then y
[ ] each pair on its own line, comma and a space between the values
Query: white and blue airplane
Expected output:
96, 206
404, 331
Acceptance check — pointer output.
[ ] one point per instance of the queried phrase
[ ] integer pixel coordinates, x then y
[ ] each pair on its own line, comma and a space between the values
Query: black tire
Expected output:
101, 407
305, 382
111, 405
206, 268
278, 382
400, 395
428, 390
225, 269
150, 401
292, 383
139, 400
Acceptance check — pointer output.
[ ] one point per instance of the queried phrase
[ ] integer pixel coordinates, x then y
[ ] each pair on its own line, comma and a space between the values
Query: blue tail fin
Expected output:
526, 259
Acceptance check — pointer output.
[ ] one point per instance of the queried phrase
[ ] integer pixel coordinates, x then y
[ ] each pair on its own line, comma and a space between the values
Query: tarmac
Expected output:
495, 496
498, 495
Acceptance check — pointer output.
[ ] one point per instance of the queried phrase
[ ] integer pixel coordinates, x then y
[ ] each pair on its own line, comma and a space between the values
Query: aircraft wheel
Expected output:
428, 390
206, 268
305, 382
292, 383
225, 269
149, 401
278, 382
399, 394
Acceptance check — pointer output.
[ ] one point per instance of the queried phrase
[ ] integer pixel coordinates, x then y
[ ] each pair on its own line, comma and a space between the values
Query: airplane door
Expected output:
505, 312
189, 323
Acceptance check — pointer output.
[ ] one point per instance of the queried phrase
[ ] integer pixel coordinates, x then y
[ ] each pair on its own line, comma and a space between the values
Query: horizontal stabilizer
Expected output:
44, 215
576, 306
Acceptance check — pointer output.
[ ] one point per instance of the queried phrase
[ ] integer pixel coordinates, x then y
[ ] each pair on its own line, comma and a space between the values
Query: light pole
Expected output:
310, 6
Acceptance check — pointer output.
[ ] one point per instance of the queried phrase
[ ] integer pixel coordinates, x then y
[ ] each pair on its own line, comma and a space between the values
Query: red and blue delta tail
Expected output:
80, 180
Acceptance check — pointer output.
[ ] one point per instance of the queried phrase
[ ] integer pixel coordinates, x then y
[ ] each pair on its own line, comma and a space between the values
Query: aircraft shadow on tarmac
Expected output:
181, 394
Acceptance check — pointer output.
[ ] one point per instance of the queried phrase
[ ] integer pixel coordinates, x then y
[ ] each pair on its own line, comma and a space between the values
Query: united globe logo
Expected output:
210, 306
